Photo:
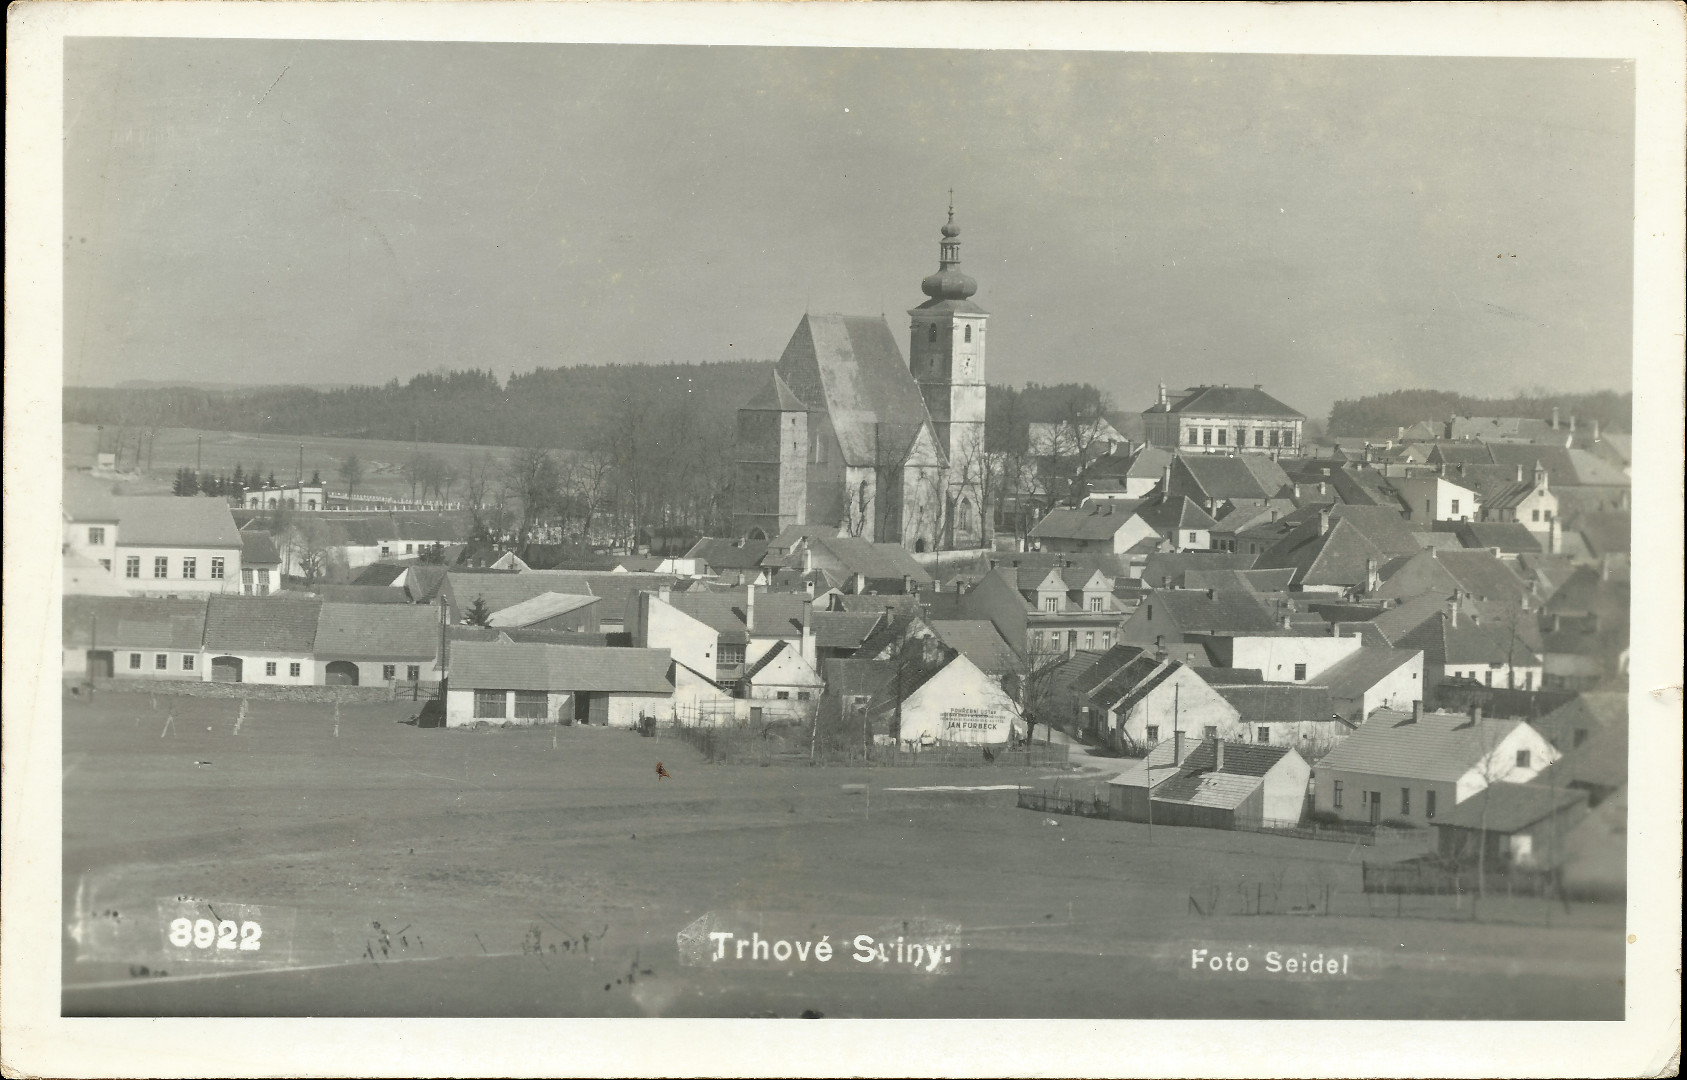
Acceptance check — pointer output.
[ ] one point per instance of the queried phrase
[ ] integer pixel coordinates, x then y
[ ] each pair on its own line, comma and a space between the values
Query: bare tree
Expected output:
1042, 700
351, 471
531, 475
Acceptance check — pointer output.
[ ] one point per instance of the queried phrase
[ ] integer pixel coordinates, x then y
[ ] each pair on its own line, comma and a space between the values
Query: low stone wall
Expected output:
261, 691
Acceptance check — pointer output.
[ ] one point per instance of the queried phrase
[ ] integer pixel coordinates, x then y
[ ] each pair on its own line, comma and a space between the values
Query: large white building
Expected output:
1222, 420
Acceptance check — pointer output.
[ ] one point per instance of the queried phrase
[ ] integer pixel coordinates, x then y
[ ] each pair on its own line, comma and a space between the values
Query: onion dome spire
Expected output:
949, 283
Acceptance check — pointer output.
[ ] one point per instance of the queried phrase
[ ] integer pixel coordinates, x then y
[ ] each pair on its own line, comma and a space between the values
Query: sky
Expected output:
320, 212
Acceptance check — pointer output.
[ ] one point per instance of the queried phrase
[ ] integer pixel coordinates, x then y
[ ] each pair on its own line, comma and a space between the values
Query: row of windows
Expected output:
494, 704
1050, 640
1262, 733
1051, 602
785, 695
1488, 676
1206, 437
161, 661
1372, 801
161, 567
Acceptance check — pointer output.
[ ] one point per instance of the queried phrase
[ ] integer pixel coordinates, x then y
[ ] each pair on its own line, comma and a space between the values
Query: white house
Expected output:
782, 682
170, 546
1149, 699
957, 703
260, 640
501, 682
378, 644
1436, 498
1411, 766
1291, 658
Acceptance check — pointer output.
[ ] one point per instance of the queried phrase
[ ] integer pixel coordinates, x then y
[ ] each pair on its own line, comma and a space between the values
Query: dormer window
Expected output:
1051, 603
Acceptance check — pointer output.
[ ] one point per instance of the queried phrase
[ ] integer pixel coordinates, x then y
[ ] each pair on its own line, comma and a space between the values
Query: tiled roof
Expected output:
497, 666
1224, 791
539, 608
380, 573
1606, 533
1220, 477
265, 624
720, 553
87, 499
1338, 557
108, 622
361, 594
775, 396
1229, 401
1097, 522
169, 521
1169, 568
1105, 665
1507, 496
258, 549
1175, 514
1240, 758
1275, 703
1590, 711
1441, 746
777, 614
843, 629
377, 632
876, 562
851, 368
1232, 612
978, 641
1564, 467
1354, 674
1506, 808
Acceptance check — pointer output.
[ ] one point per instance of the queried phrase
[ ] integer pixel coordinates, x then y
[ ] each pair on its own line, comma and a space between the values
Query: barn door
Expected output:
99, 665
599, 708
226, 669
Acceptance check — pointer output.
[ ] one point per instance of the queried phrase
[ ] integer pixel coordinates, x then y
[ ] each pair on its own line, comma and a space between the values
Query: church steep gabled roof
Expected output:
850, 367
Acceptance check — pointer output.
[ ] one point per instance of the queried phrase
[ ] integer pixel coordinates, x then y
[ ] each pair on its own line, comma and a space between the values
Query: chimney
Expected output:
1476, 714
740, 577
860, 583
1453, 613
808, 587
1417, 711
750, 607
1555, 418
1218, 754
1323, 520
1162, 393
1572, 423
808, 649
1323, 488
807, 559
1519, 473
1373, 580
1177, 751
1596, 431
1166, 479
665, 593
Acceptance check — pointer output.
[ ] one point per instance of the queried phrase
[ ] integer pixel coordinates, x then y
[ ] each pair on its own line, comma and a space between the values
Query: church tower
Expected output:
946, 355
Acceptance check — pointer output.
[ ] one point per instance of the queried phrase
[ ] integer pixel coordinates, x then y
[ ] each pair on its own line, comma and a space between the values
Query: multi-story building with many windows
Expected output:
1221, 420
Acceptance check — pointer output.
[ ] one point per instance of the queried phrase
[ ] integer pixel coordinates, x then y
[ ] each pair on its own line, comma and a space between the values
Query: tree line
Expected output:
1383, 414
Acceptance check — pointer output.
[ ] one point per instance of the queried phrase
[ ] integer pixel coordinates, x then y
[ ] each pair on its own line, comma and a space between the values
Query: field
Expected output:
404, 871
220, 451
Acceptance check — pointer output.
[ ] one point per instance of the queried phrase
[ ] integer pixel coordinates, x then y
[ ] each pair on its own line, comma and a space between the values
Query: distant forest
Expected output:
548, 408
1383, 414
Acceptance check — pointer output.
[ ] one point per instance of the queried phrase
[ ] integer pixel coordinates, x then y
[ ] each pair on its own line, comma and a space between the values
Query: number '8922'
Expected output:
224, 934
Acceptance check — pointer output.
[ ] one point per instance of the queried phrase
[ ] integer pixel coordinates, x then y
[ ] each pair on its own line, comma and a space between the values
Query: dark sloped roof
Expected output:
1506, 808
876, 562
1240, 758
258, 549
1230, 401
137, 622
978, 641
1606, 533
776, 396
1480, 574
266, 624
843, 629
1275, 703
1097, 522
377, 632
765, 659
380, 573
1098, 671
1216, 476
1508, 536
1353, 675
1225, 612
1441, 746
1338, 557
515, 666
851, 368
721, 553
1165, 516
1170, 567
361, 594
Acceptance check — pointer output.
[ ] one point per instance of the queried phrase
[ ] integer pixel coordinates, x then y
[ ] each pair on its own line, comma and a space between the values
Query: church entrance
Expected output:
920, 544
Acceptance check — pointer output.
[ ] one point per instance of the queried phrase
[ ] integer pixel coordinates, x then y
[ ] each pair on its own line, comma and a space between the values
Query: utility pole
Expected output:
198, 454
301, 467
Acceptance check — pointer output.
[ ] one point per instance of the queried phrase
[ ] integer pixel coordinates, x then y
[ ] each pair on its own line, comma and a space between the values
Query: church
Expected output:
847, 434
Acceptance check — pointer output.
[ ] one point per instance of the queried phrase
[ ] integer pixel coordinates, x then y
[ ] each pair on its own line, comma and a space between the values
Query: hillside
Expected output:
1382, 414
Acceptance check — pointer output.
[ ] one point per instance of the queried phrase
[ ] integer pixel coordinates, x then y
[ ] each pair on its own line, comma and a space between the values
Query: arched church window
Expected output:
965, 515
931, 333
969, 335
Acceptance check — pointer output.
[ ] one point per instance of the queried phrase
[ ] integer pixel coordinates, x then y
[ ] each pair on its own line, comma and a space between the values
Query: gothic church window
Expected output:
931, 333
969, 335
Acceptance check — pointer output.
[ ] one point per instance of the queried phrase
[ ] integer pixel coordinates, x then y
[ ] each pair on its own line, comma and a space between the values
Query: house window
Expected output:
1405, 801
263, 582
294, 669
1522, 759
1534, 515
1300, 672
1193, 537
1259, 437
1488, 676
187, 661
269, 667
783, 695
1107, 639
135, 661
1455, 506
1336, 798
1096, 603
1089, 639
1548, 514
386, 550
1206, 436
1288, 438
190, 568
389, 672
1071, 640
410, 549
161, 661
1150, 612
1191, 436
531, 705
413, 673
1051, 603
96, 535
1429, 803
216, 569
1274, 443
161, 566
1222, 433
1262, 734
1528, 680
731, 654
1153, 733
803, 695
489, 704
1210, 731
